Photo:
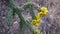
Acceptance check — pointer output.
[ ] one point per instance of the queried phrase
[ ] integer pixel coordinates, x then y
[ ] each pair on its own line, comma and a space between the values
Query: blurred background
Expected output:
49, 24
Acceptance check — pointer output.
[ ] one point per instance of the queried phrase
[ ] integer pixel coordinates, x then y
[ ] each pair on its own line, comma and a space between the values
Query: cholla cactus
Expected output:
23, 23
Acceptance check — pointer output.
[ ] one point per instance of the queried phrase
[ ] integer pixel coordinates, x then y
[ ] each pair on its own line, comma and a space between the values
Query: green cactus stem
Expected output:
9, 18
30, 6
23, 22
30, 26
10, 13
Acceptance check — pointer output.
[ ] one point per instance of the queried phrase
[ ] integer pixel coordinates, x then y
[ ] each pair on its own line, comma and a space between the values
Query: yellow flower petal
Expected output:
39, 15
44, 11
35, 22
38, 21
37, 31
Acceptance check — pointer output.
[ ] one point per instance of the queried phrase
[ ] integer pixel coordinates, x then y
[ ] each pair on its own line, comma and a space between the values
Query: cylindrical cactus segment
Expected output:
30, 6
22, 20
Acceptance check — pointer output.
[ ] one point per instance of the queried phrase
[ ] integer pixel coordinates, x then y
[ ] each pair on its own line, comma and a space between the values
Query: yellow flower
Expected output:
37, 31
35, 22
44, 10
38, 21
39, 15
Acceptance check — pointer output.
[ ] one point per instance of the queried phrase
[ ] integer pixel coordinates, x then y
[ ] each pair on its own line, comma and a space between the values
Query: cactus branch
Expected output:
30, 6
10, 13
18, 11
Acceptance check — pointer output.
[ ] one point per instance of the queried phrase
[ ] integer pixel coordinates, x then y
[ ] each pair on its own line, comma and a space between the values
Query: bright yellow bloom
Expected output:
39, 15
37, 31
38, 20
35, 22
44, 11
